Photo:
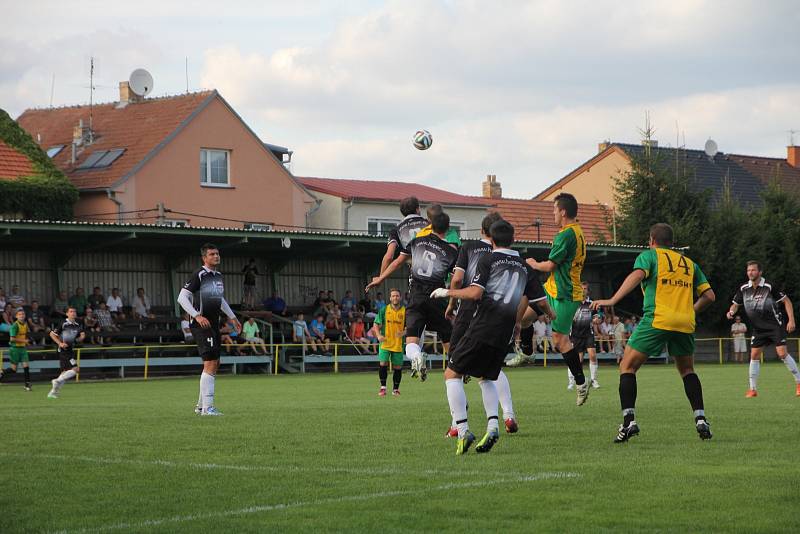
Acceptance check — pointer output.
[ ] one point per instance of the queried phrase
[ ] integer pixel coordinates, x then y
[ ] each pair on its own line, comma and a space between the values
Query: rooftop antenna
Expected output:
791, 136
91, 97
187, 74
141, 82
52, 88
711, 149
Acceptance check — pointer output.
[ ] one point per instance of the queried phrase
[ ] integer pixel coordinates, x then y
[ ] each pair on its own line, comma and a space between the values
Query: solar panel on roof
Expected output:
93, 158
109, 157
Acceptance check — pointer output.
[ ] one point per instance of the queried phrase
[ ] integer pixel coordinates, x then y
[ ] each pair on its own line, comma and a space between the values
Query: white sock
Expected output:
63, 377
570, 378
593, 370
504, 394
413, 351
200, 398
755, 369
207, 390
792, 366
490, 401
457, 398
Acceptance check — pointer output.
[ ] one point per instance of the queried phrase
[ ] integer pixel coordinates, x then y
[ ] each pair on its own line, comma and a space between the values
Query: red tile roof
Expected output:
138, 128
523, 213
381, 191
14, 164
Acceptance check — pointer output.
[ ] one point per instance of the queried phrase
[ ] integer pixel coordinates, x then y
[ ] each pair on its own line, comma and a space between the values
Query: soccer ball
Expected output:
423, 140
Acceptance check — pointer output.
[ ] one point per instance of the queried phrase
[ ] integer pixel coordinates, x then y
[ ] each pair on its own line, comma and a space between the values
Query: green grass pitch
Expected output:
320, 453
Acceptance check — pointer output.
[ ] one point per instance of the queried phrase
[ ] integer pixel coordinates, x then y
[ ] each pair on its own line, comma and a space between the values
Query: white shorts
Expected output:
739, 344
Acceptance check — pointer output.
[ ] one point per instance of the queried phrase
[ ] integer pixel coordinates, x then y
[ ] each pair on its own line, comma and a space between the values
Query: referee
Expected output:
205, 287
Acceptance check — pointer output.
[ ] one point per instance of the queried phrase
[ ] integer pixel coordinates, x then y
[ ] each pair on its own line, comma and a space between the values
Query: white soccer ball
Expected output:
423, 140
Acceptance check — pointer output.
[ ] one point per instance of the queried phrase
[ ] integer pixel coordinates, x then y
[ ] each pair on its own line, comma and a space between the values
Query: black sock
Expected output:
694, 392
383, 372
28, 376
627, 396
526, 340
6, 373
396, 377
575, 365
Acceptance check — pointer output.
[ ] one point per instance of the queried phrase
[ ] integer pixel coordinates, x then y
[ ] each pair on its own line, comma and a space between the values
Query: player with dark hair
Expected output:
563, 287
18, 351
761, 301
206, 287
451, 237
402, 234
66, 336
671, 282
432, 260
502, 285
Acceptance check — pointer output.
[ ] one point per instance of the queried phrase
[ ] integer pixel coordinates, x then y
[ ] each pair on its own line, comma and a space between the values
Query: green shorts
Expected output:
565, 313
651, 341
386, 355
17, 354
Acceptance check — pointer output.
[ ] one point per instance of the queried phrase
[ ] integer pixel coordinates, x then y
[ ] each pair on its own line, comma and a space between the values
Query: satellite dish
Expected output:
141, 82
286, 242
711, 148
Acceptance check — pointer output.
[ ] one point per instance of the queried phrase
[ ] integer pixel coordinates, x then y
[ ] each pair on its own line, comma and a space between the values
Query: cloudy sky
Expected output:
523, 90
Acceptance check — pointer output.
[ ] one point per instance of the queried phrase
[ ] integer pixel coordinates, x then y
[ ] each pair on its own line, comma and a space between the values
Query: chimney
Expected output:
602, 146
793, 156
491, 187
126, 95
80, 133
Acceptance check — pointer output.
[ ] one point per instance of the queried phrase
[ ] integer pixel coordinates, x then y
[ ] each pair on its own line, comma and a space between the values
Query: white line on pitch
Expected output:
319, 502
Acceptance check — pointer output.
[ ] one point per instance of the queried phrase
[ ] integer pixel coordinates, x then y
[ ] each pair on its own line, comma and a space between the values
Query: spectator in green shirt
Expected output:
79, 301
251, 333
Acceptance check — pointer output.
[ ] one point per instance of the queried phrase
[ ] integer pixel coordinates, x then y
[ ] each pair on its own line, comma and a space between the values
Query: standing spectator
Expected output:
36, 327
186, 328
605, 330
115, 305
319, 302
58, 311
105, 321
348, 306
618, 334
738, 332
379, 303
540, 333
300, 333
3, 300
96, 298
548, 333
252, 336
358, 336
16, 297
250, 272
629, 327
7, 318
79, 300
141, 305
317, 330
275, 304
597, 323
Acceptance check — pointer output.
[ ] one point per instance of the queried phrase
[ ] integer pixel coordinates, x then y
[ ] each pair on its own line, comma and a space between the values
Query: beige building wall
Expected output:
361, 212
329, 215
594, 184
94, 204
261, 189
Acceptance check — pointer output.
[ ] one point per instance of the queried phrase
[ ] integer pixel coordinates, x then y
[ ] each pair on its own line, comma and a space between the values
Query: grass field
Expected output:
324, 453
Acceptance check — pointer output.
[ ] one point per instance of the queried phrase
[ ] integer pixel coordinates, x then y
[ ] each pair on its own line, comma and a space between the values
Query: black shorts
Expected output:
208, 342
475, 358
425, 313
67, 360
764, 338
582, 343
461, 324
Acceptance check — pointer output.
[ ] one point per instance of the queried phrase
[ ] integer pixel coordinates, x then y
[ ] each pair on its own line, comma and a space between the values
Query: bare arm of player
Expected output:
57, 340
787, 304
392, 267
455, 283
391, 248
630, 283
732, 312
705, 300
226, 309
546, 266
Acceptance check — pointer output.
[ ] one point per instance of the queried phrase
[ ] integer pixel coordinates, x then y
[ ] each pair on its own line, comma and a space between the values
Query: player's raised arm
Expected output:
392, 267
629, 284
391, 248
546, 266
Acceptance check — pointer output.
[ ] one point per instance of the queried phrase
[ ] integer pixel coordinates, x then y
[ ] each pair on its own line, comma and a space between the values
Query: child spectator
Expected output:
186, 328
358, 336
300, 333
91, 326
317, 330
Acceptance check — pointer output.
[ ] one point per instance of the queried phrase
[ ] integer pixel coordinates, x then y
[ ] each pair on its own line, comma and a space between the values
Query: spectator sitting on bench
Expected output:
186, 328
91, 326
16, 298
58, 311
37, 330
141, 306
333, 327
358, 336
7, 319
251, 335
348, 306
115, 305
96, 298
317, 330
320, 302
275, 304
79, 301
105, 321
3, 300
300, 333
230, 337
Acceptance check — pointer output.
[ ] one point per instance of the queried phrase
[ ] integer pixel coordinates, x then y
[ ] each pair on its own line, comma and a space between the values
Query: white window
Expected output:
54, 150
258, 226
214, 167
175, 223
381, 226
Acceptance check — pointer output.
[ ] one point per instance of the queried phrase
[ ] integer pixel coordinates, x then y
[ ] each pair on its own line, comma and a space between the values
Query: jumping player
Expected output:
206, 285
18, 352
66, 336
503, 286
761, 302
582, 338
564, 294
389, 328
432, 260
671, 282
402, 234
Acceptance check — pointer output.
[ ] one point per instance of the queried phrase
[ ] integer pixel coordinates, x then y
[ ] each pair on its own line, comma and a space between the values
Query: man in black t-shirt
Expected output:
582, 337
432, 260
206, 289
65, 337
503, 285
402, 234
762, 303
250, 271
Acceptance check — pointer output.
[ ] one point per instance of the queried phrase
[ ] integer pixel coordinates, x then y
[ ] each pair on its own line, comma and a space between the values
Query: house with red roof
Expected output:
180, 160
13, 163
372, 205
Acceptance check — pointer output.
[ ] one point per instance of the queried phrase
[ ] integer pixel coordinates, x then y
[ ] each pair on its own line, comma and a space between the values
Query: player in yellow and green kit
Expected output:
389, 328
17, 351
670, 282
563, 286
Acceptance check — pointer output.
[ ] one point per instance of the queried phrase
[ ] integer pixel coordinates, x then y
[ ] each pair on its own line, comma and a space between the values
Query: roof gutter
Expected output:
312, 211
347, 215
112, 196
